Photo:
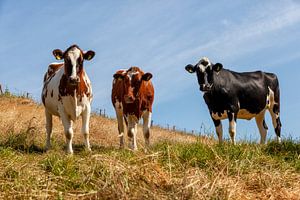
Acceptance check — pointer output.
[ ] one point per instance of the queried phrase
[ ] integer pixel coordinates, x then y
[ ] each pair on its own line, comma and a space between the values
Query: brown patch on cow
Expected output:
81, 89
52, 68
143, 92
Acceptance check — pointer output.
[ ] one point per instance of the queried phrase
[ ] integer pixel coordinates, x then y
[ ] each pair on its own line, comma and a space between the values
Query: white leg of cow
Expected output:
132, 132
68, 132
48, 129
232, 126
219, 130
146, 127
120, 118
85, 127
262, 127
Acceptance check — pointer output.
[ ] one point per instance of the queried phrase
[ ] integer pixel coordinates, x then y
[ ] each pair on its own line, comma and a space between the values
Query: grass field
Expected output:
177, 166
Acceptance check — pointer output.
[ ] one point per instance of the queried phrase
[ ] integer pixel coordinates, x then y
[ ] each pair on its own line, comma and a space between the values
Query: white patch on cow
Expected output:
146, 126
232, 129
131, 73
132, 128
74, 54
202, 67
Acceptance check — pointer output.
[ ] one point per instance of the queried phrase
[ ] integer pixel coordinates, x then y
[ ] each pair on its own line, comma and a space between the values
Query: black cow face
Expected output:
205, 72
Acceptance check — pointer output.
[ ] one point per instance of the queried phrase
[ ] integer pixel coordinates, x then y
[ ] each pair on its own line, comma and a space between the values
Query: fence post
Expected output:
174, 128
151, 123
104, 112
100, 112
1, 91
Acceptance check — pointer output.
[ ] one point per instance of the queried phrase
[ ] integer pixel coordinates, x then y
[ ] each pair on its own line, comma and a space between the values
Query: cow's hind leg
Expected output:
276, 121
48, 129
262, 126
219, 130
120, 118
85, 127
146, 127
232, 125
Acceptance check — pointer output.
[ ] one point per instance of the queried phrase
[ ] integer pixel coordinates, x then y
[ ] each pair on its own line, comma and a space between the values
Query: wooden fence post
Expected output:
1, 91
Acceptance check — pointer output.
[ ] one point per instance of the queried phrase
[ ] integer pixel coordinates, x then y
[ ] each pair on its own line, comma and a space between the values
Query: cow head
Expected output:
73, 62
205, 71
132, 81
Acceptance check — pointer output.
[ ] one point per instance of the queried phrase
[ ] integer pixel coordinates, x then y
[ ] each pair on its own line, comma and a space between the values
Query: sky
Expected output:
160, 37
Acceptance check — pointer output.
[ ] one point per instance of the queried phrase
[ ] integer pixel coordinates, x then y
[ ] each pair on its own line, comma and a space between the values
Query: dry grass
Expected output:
177, 166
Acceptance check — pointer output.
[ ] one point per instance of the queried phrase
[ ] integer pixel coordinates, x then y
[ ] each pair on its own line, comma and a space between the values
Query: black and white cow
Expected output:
234, 95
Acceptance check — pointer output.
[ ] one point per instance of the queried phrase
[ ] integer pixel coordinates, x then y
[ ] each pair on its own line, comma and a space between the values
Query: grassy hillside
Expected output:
177, 166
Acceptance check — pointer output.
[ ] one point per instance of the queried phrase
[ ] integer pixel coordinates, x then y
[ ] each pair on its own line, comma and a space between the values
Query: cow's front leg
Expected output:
219, 129
48, 129
85, 126
132, 131
146, 127
120, 118
232, 125
68, 129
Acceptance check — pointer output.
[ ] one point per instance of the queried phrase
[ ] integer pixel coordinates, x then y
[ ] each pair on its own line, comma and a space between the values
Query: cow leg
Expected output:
132, 132
48, 129
68, 123
219, 130
262, 127
276, 121
146, 127
232, 125
120, 118
85, 127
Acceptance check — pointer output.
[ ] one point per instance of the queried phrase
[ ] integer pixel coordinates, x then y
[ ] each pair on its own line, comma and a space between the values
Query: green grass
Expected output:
164, 172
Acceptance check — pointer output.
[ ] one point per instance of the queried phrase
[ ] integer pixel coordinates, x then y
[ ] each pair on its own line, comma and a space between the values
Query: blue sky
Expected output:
161, 37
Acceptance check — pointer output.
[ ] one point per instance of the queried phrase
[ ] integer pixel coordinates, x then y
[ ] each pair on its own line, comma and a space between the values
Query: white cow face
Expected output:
73, 62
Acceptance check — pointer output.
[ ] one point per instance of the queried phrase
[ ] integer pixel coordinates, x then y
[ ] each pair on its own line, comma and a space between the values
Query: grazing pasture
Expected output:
177, 166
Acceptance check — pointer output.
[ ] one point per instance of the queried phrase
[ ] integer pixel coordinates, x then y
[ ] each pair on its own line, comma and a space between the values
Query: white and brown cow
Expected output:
132, 97
67, 93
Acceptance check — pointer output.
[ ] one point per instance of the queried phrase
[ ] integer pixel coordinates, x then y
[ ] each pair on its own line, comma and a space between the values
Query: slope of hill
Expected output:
177, 166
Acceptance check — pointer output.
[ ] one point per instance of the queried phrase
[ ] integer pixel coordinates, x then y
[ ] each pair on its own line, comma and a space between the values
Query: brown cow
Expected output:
132, 97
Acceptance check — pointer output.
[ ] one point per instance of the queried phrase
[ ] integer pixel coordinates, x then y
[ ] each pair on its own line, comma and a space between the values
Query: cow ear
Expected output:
118, 76
58, 54
89, 55
190, 68
147, 77
217, 67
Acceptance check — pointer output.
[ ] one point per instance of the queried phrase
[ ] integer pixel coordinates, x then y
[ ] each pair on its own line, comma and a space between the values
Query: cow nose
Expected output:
204, 87
129, 99
74, 80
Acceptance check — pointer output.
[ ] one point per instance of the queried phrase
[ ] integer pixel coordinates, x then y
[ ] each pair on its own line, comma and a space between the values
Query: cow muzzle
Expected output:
129, 99
205, 87
74, 80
